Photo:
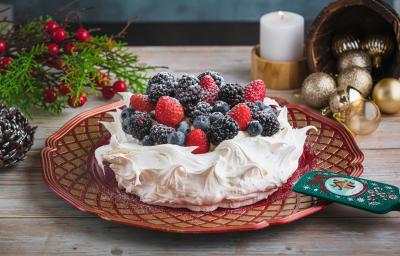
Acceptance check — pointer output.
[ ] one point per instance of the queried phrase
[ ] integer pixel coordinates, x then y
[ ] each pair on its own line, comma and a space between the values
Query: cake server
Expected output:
360, 193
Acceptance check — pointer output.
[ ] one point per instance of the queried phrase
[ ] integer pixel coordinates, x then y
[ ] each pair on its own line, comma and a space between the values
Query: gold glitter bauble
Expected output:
340, 100
362, 117
386, 95
345, 42
354, 58
358, 78
317, 88
378, 47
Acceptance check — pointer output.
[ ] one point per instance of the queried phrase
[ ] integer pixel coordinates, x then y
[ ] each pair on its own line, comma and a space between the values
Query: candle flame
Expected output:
281, 14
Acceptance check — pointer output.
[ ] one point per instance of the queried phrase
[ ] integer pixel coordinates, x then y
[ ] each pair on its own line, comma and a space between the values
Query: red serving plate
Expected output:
70, 170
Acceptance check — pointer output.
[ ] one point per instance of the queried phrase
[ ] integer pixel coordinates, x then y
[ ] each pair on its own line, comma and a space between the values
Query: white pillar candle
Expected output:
282, 36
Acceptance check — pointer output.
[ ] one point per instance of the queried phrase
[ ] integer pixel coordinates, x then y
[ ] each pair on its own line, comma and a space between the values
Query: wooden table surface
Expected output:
35, 221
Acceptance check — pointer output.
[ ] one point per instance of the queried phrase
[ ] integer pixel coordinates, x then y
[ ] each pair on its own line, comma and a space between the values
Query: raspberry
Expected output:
231, 94
188, 91
223, 129
141, 103
219, 80
138, 125
169, 111
241, 114
210, 89
202, 108
254, 91
159, 133
198, 138
162, 78
269, 122
159, 90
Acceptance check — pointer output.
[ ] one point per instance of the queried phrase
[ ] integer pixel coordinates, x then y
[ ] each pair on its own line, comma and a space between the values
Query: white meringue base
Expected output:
238, 172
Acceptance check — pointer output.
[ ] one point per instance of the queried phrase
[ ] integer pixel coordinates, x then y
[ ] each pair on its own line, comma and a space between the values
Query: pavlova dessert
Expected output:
200, 143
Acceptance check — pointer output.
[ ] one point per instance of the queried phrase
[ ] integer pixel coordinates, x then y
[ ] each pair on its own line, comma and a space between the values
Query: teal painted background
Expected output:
174, 10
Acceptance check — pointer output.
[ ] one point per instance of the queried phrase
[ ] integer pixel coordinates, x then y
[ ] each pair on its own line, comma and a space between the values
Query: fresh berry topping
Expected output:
159, 133
219, 80
202, 108
162, 78
70, 48
107, 92
197, 137
50, 26
127, 113
169, 111
223, 129
52, 48
269, 122
3, 45
254, 108
261, 105
119, 86
188, 91
241, 114
201, 122
221, 106
50, 95
210, 89
147, 141
153, 114
183, 127
64, 90
58, 34
158, 90
254, 91
141, 103
215, 116
254, 128
231, 94
176, 138
138, 125
82, 35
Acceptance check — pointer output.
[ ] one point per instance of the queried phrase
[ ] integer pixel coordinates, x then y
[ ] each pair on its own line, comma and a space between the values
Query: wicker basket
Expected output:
363, 17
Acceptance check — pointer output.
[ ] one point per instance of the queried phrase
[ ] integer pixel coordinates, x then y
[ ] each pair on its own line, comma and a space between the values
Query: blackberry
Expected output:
159, 133
127, 113
188, 91
219, 80
231, 94
269, 122
223, 129
202, 108
254, 128
221, 106
254, 108
147, 141
138, 125
159, 90
161, 78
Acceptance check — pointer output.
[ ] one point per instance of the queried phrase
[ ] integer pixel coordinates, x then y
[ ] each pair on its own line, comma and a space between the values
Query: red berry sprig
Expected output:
82, 35
50, 95
58, 34
3, 45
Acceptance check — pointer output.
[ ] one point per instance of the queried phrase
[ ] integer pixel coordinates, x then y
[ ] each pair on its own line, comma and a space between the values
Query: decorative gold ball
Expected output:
339, 101
317, 88
359, 78
354, 58
378, 47
362, 117
345, 42
386, 95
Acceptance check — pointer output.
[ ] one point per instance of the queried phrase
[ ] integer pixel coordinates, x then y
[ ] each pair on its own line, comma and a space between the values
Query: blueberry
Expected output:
201, 122
147, 141
127, 113
261, 105
127, 126
183, 127
254, 128
221, 106
215, 116
176, 138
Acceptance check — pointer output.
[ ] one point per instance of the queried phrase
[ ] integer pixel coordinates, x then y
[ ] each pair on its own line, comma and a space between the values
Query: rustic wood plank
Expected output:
64, 236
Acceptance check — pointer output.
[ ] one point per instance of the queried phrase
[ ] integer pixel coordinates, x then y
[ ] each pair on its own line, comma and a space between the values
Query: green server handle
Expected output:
360, 193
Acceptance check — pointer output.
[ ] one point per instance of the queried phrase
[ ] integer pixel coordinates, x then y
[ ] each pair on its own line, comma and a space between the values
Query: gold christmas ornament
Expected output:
359, 78
340, 100
378, 47
362, 117
354, 58
317, 88
345, 42
386, 95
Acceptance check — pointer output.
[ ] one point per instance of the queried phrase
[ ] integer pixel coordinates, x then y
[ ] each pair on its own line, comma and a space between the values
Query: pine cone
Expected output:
16, 136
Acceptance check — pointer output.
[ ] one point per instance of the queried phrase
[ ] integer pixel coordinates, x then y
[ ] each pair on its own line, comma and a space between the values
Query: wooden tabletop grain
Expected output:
35, 221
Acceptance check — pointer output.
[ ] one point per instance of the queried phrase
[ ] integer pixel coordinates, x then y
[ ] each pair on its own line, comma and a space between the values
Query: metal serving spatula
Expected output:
360, 193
